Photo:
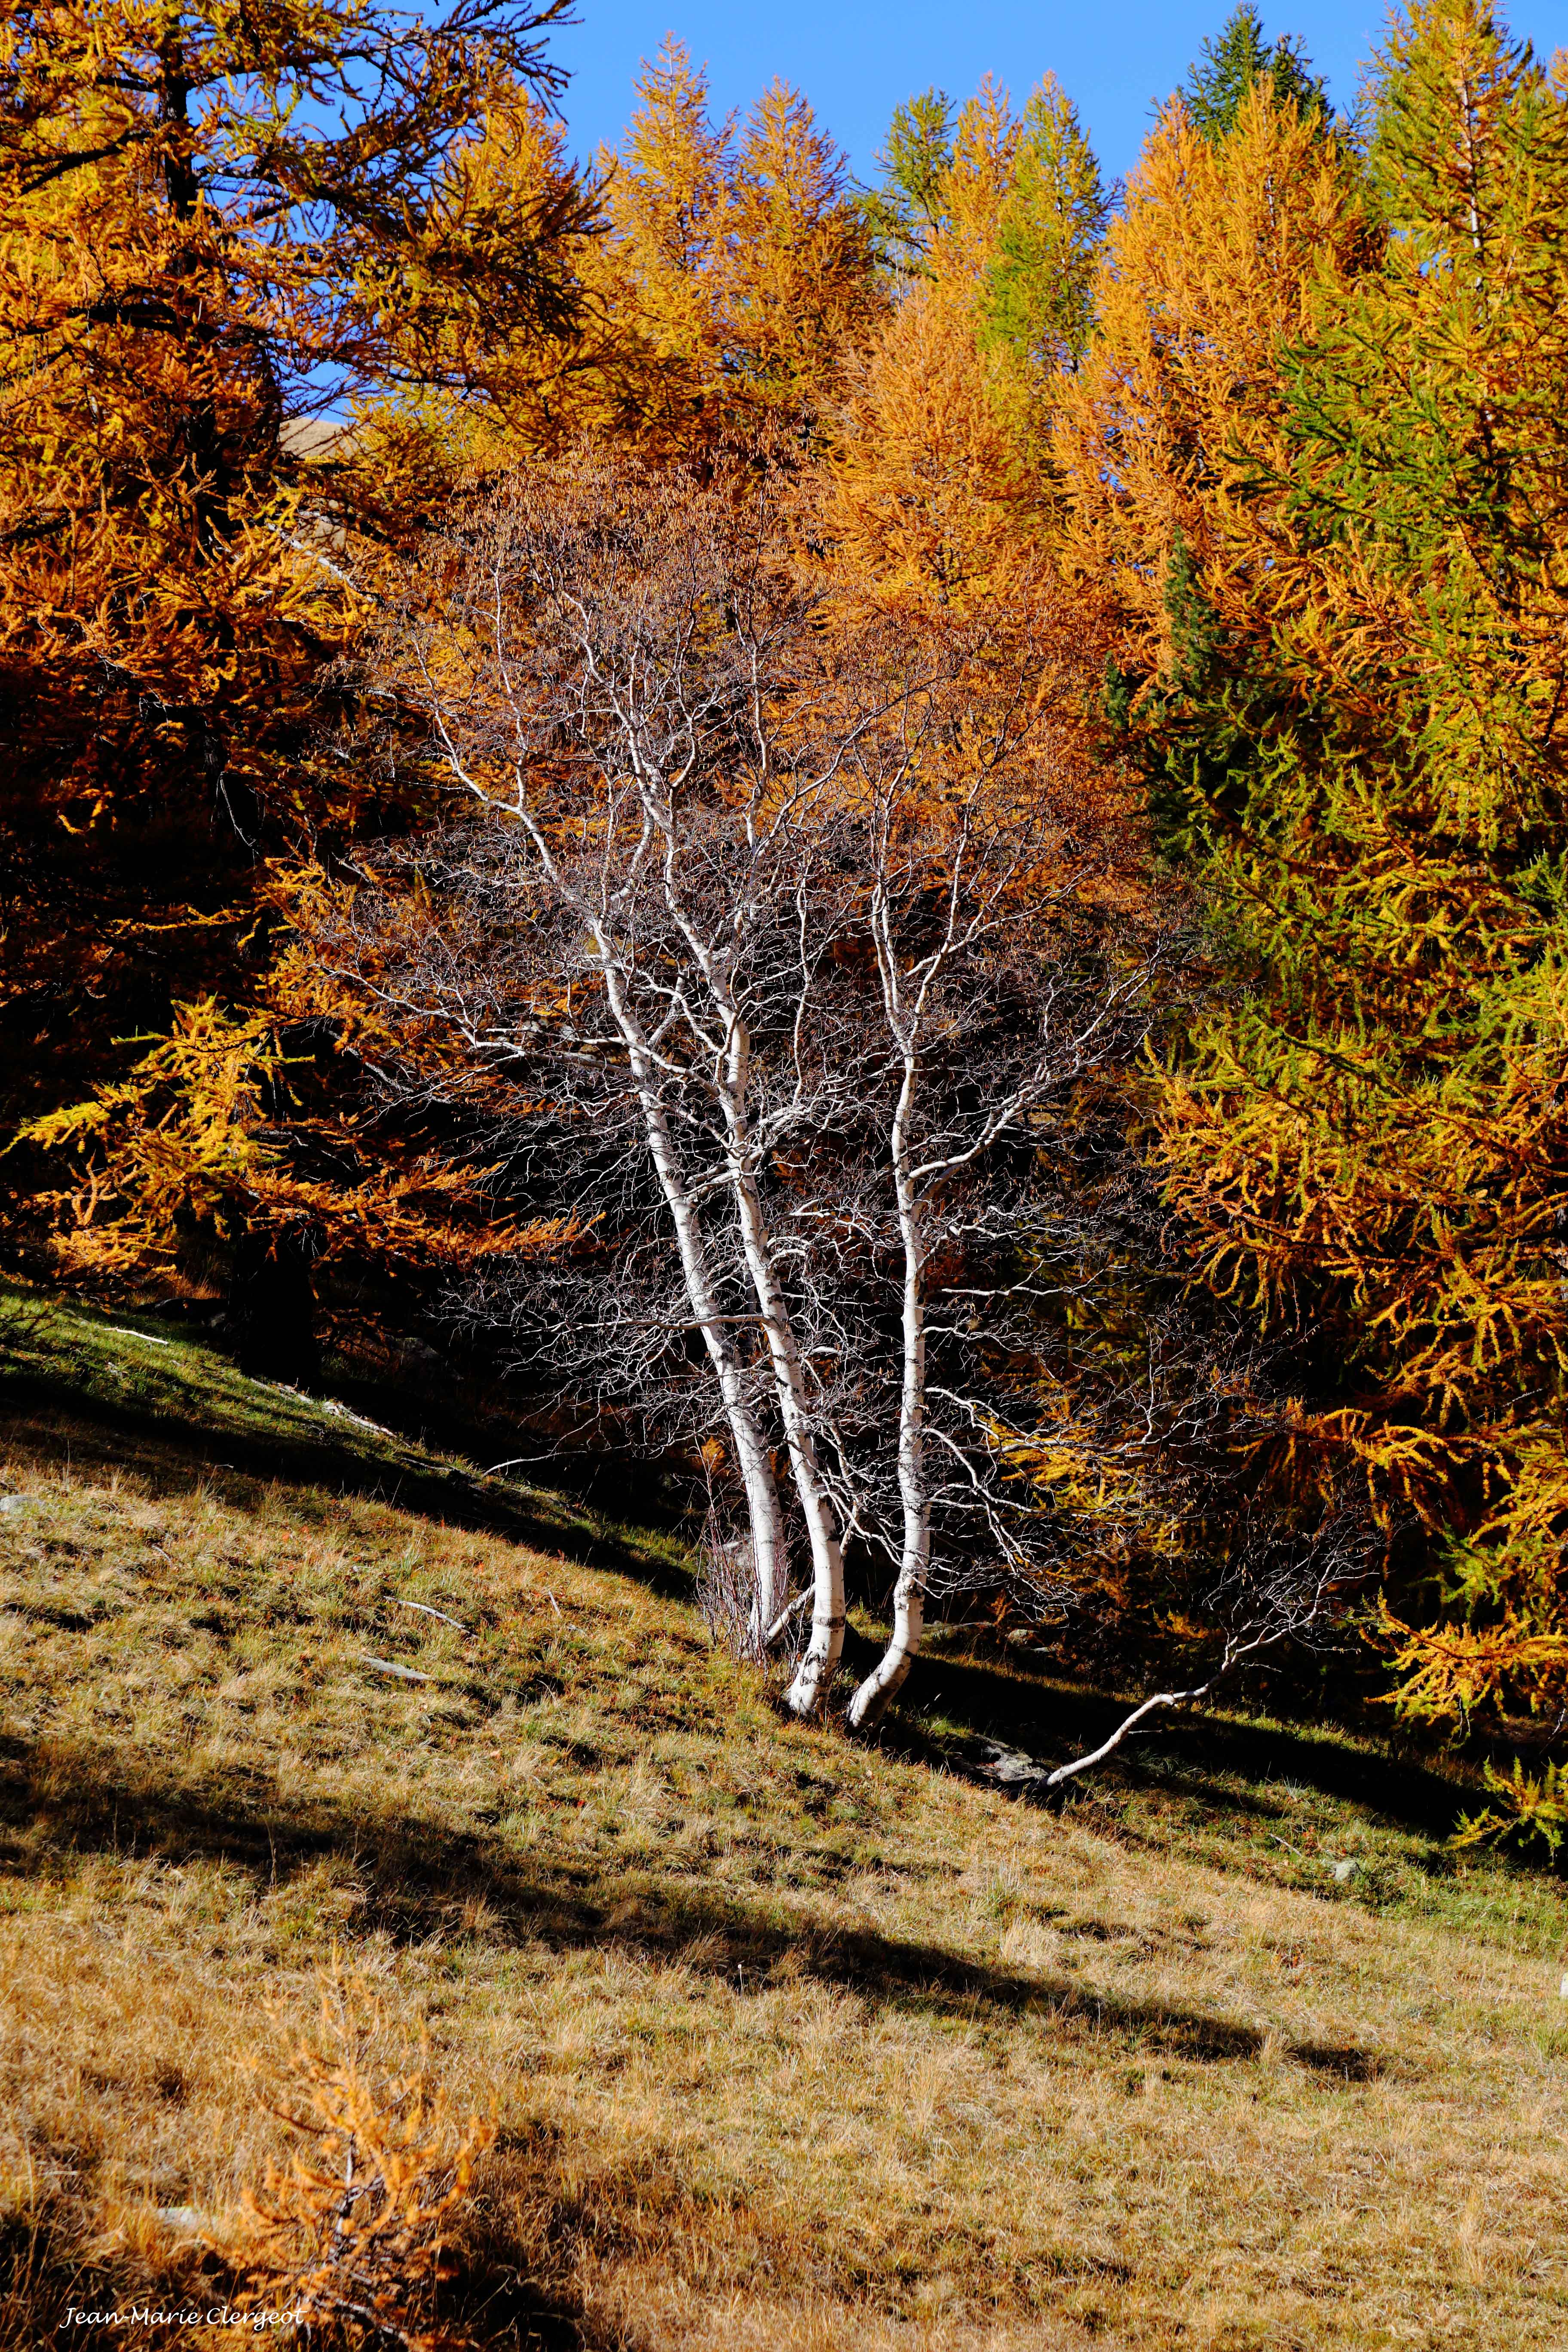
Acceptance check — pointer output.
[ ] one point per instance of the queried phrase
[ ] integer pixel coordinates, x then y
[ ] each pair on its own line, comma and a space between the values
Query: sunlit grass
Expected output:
791, 2043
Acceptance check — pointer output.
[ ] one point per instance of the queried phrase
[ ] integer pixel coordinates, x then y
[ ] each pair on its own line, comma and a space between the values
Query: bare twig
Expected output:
425, 1611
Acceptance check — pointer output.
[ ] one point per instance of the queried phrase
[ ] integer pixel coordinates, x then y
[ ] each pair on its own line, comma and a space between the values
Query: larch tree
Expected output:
737, 262
935, 490
800, 290
660, 270
222, 240
1218, 260
1335, 504
237, 251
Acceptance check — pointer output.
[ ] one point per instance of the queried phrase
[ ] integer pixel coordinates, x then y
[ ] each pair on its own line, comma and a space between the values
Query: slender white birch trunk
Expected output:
809, 1686
770, 1559
914, 1566
770, 1555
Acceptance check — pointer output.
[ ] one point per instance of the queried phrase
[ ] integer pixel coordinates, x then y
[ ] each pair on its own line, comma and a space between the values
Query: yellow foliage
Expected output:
934, 491
737, 267
210, 1135
923, 497
1221, 254
354, 2235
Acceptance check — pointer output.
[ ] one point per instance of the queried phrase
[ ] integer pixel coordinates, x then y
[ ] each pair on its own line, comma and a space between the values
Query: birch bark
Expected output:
765, 1518
892, 1669
809, 1686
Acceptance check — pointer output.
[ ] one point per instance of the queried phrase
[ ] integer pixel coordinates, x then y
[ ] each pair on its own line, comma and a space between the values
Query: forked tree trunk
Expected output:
808, 1688
752, 1459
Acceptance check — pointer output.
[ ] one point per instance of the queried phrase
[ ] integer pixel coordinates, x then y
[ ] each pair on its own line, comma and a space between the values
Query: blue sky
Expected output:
856, 59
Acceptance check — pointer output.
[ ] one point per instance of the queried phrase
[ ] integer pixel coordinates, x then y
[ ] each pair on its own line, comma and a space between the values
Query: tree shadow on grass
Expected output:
192, 1417
417, 1875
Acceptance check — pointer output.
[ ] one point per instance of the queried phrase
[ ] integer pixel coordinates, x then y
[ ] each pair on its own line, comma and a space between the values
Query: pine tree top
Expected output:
1229, 65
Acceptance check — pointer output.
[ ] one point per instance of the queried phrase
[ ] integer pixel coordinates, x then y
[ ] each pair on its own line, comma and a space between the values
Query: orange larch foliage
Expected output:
1318, 458
1222, 255
925, 494
224, 309
930, 498
737, 265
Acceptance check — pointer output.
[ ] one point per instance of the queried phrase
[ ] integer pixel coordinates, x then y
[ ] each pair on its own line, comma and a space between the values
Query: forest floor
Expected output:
789, 2042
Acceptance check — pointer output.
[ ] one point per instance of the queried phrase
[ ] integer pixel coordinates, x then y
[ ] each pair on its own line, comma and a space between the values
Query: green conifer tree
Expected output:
1241, 56
1039, 288
904, 211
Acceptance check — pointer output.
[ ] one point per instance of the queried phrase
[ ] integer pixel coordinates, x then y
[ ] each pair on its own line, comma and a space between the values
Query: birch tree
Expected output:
996, 997
770, 921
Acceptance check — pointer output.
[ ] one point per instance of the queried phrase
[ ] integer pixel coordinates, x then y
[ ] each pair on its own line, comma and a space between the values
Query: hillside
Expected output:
789, 2042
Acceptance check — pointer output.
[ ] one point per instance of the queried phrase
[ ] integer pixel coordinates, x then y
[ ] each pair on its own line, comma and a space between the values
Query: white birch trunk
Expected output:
765, 1518
809, 1686
908, 1592
752, 1457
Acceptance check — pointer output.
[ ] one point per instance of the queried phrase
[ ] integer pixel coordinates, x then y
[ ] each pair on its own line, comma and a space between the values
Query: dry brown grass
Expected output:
791, 2045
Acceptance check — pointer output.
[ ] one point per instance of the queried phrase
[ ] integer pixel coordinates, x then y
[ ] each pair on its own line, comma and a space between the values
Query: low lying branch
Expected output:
1293, 1605
1106, 1747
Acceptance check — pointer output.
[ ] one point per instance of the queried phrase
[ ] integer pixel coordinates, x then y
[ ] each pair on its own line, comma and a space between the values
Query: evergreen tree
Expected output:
1039, 299
1240, 57
904, 210
1036, 301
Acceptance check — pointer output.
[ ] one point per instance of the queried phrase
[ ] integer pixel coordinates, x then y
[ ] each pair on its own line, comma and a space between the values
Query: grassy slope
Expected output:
791, 2043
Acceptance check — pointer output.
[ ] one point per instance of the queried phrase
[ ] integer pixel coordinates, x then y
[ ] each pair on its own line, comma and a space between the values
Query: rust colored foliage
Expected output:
1319, 454
251, 271
353, 2236
927, 497
207, 301
248, 1140
1223, 257
933, 501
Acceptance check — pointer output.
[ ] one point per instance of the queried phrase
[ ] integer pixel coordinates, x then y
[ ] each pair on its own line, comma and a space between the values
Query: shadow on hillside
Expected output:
416, 1878
45, 2270
1196, 1755
44, 1411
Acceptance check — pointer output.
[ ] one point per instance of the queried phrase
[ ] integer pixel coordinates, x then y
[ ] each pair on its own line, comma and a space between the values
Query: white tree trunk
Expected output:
769, 1553
909, 1593
809, 1686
